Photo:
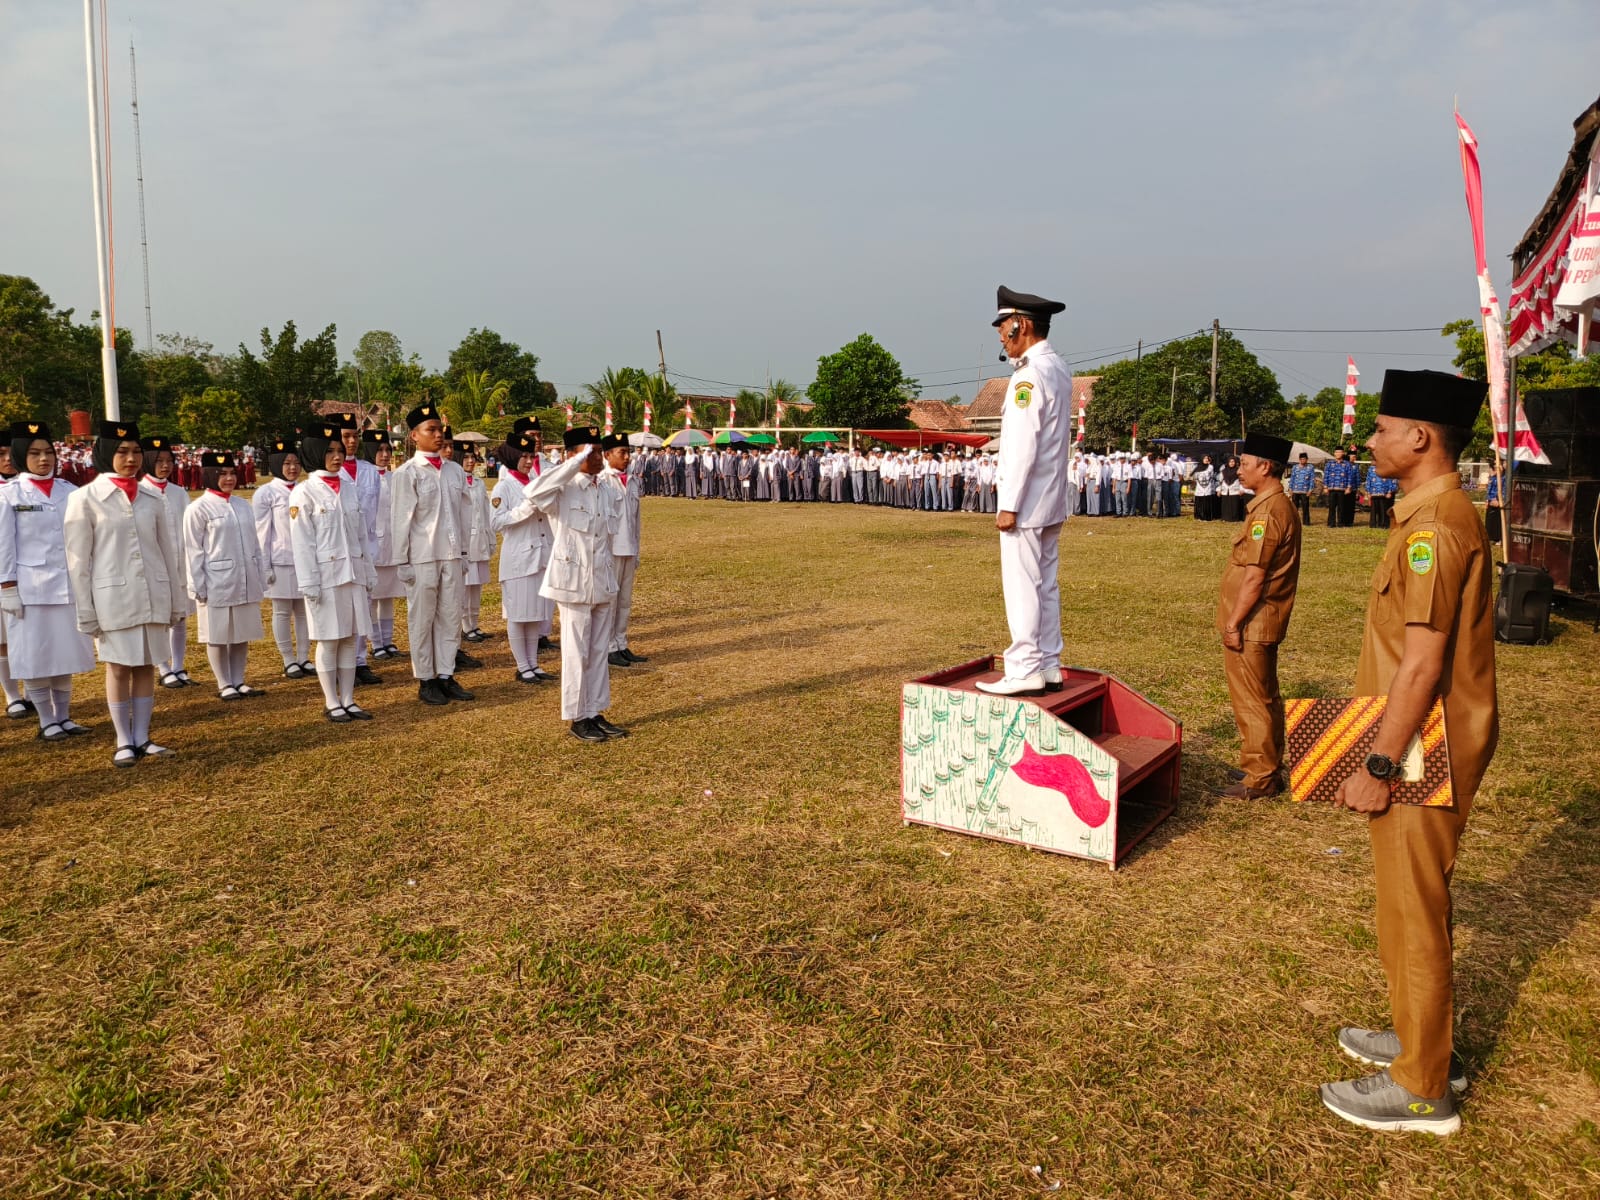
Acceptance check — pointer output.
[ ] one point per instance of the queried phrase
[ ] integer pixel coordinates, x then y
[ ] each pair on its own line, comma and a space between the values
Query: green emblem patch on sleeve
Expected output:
1258, 531
1024, 395
1419, 553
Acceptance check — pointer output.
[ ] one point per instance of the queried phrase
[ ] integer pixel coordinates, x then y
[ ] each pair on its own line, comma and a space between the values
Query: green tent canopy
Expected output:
821, 435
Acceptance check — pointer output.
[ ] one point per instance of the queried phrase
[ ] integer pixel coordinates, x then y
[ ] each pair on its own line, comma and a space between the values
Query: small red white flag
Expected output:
733, 411
1351, 378
607, 429
688, 414
568, 407
648, 413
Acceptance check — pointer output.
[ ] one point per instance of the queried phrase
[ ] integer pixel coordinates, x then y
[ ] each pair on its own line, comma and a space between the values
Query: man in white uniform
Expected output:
1035, 455
624, 544
368, 483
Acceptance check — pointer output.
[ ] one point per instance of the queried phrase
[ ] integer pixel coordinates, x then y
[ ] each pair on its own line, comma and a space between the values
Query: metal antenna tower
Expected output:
138, 162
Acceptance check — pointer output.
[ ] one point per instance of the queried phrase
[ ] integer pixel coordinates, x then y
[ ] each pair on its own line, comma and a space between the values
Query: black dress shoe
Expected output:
618, 659
474, 636
540, 675
454, 690
607, 728
585, 731
635, 657
549, 644
429, 692
366, 676
465, 661
337, 715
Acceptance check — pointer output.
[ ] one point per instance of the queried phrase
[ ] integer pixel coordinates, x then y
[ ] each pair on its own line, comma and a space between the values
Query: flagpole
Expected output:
108, 333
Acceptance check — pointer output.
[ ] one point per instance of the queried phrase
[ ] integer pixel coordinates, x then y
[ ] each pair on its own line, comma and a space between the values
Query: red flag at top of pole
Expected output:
1494, 326
1351, 376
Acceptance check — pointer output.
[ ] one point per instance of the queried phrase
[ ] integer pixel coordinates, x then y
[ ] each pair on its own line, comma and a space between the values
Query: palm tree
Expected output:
478, 397
785, 393
627, 410
666, 410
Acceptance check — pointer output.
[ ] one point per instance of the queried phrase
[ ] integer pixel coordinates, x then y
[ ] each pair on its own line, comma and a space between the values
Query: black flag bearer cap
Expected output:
423, 412
1264, 445
580, 435
1437, 397
1021, 304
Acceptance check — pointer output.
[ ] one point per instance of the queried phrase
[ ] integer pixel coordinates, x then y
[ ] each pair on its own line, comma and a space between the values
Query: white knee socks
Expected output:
178, 644
469, 613
8, 685
292, 646
221, 666
328, 673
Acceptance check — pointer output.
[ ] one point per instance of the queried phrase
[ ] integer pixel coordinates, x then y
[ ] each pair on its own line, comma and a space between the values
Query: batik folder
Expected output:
1328, 740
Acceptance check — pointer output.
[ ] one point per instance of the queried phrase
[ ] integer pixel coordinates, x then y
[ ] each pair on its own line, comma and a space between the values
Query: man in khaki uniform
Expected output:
1429, 636
1258, 587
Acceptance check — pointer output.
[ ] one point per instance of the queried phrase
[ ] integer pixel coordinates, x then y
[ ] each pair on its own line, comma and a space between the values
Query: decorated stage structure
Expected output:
1088, 770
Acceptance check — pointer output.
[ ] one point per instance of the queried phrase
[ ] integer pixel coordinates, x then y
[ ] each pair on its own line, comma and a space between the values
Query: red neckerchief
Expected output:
333, 482
217, 494
522, 480
127, 486
44, 485
350, 467
160, 483
435, 461
623, 475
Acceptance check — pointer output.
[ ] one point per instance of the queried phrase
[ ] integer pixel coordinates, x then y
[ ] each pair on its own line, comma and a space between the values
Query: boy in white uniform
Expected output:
624, 546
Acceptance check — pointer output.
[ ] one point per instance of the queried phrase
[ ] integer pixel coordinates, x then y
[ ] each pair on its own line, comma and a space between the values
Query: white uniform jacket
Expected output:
1036, 439
174, 499
368, 483
480, 530
628, 487
385, 555
125, 568
271, 504
526, 541
222, 553
329, 537
428, 511
33, 540
584, 513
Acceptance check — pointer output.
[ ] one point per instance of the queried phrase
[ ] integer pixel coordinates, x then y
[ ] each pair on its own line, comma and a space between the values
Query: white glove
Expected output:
11, 602
179, 616
198, 597
313, 594
89, 628
272, 578
407, 573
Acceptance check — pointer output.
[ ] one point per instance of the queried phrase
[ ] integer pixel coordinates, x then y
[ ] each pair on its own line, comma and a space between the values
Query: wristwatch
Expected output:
1381, 766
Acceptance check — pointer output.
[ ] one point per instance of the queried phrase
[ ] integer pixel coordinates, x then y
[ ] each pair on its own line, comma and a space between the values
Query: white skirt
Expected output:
476, 574
389, 585
340, 613
229, 624
46, 642
285, 586
136, 646
520, 599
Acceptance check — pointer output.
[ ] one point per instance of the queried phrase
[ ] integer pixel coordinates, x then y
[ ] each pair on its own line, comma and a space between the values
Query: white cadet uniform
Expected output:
225, 575
43, 639
624, 549
329, 544
428, 520
1035, 458
524, 551
271, 504
582, 579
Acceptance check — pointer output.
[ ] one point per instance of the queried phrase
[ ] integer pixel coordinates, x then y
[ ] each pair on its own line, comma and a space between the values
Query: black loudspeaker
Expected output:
1522, 611
1567, 423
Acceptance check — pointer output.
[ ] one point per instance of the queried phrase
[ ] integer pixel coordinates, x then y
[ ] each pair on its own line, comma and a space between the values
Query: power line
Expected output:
1343, 350
1414, 329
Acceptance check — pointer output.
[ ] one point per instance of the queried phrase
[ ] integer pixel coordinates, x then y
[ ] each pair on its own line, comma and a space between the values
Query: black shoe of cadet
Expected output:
628, 650
454, 690
618, 659
429, 692
607, 728
465, 661
366, 676
549, 644
586, 731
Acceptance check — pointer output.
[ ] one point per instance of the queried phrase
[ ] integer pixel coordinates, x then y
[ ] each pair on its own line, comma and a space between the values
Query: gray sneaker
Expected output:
1382, 1047
1378, 1102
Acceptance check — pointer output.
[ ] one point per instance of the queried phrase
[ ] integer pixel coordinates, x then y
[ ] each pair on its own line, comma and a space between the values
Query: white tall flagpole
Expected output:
108, 334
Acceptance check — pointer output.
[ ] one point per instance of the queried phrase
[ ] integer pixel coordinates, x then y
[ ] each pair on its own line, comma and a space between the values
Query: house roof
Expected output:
991, 397
938, 415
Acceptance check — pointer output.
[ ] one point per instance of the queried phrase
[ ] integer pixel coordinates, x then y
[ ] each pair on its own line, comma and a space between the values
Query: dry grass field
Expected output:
457, 953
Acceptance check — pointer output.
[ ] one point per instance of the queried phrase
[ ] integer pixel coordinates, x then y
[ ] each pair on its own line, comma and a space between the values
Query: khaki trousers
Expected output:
1252, 675
1413, 856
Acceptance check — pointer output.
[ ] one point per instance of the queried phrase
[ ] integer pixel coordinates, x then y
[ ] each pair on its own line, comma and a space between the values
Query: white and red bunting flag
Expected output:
778, 411
648, 413
1352, 378
1082, 410
1494, 326
607, 429
688, 414
733, 412
568, 407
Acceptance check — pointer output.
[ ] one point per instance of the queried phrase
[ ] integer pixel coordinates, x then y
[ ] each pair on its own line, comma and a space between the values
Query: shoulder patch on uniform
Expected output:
1024, 395
1258, 530
294, 511
495, 500
1419, 553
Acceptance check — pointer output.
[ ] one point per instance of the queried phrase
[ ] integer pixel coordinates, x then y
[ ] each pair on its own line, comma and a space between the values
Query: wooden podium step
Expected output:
1088, 770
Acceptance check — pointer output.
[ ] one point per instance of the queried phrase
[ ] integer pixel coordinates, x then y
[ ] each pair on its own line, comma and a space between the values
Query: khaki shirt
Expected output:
1269, 539
1436, 571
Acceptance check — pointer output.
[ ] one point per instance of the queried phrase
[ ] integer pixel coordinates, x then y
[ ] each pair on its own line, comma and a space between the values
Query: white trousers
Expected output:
585, 675
622, 604
433, 618
1030, 566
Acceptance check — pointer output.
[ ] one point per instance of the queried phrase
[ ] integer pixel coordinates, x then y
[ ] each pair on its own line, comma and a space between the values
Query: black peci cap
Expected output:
613, 441
1264, 445
581, 435
423, 412
1437, 397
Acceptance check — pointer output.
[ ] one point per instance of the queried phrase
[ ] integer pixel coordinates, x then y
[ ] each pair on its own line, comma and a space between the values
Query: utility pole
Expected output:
1216, 331
1138, 370
662, 354
138, 162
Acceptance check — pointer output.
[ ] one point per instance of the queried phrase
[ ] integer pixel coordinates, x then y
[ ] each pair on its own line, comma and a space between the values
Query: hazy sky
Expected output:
764, 181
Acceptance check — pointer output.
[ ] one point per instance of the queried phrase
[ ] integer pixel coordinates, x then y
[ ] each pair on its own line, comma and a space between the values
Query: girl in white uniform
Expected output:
524, 551
480, 543
160, 468
376, 449
225, 574
126, 577
17, 708
271, 504
36, 607
331, 564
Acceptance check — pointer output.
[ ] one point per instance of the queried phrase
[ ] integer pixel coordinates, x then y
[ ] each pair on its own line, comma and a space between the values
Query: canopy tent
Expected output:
1557, 262
761, 439
729, 437
689, 437
649, 441
471, 435
912, 439
1221, 448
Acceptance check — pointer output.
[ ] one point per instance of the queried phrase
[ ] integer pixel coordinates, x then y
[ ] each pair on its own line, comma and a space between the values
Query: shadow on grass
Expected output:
779, 689
1516, 921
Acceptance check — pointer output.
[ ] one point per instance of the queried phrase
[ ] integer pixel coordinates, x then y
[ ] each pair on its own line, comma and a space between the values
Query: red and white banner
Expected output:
778, 410
607, 429
1082, 409
1494, 327
1352, 378
568, 407
688, 414
733, 411
648, 413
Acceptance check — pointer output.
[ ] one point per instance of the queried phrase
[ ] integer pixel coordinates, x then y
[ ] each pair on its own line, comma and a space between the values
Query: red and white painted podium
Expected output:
1087, 771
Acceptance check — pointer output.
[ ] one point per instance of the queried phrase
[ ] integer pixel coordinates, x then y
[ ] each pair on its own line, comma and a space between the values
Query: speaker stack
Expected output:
1555, 509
